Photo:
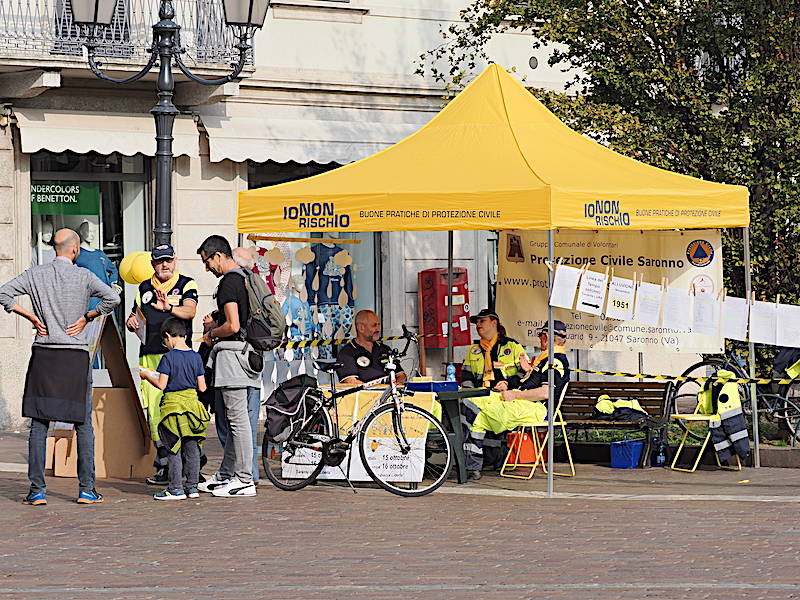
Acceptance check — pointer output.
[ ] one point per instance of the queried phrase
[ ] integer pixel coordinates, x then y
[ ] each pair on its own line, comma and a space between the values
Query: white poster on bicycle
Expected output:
687, 259
380, 446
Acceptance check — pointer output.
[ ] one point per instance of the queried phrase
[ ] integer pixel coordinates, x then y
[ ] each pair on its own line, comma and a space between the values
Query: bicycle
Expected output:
775, 404
403, 448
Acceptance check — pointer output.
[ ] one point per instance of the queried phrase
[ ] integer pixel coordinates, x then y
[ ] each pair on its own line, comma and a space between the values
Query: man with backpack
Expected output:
244, 258
237, 366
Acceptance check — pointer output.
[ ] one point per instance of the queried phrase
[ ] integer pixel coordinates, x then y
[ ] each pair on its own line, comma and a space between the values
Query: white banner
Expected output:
684, 258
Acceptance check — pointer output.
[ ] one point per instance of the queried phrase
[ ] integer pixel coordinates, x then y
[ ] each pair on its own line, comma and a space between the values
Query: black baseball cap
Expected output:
163, 251
558, 327
483, 314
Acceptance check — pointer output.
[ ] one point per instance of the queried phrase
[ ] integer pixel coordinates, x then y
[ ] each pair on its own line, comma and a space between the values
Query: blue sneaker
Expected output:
169, 494
35, 499
192, 492
89, 497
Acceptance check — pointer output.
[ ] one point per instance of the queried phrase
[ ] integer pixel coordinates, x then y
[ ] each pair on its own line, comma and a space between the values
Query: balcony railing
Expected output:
42, 29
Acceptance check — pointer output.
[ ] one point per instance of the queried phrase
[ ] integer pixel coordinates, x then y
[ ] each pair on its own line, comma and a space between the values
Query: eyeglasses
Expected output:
208, 258
159, 261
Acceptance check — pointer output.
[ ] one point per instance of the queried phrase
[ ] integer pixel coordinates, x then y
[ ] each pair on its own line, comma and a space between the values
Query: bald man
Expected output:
244, 258
364, 358
58, 385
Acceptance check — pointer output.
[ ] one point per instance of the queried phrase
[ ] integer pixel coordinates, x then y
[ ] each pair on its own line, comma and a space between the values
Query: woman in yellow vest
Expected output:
494, 361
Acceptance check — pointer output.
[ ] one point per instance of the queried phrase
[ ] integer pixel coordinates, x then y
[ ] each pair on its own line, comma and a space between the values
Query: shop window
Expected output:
102, 198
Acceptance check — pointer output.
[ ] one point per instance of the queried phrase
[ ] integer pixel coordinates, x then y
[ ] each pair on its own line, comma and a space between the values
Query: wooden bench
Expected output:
581, 398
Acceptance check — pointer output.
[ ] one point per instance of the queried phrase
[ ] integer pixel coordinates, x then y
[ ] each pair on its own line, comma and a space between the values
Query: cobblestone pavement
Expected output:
609, 535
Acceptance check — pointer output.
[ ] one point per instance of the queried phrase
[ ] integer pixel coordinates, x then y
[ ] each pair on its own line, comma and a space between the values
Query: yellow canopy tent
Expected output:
496, 158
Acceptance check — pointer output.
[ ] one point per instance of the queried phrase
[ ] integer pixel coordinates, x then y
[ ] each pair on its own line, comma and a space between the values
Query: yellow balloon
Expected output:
136, 268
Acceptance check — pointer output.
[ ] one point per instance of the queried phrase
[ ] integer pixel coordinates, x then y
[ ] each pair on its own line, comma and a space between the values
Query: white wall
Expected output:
406, 254
379, 41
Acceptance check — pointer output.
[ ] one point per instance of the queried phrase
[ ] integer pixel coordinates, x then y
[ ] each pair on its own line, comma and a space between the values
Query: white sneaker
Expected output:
212, 483
235, 488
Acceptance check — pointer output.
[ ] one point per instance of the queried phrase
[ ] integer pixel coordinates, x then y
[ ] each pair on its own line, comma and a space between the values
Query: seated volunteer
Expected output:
494, 361
182, 429
364, 358
503, 411
166, 294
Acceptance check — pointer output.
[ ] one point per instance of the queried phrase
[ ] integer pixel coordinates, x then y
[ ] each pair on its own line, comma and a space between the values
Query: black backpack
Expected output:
266, 326
289, 406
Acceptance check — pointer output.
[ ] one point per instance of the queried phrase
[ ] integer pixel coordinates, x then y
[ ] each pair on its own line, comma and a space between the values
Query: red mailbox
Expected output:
433, 306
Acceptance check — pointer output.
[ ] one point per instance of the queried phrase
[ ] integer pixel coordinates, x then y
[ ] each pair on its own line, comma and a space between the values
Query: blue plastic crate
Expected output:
432, 386
626, 454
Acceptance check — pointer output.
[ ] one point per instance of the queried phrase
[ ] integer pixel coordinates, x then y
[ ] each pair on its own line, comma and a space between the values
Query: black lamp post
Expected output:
245, 16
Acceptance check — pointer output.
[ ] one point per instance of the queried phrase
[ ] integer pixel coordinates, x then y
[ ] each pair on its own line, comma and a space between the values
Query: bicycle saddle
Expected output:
326, 366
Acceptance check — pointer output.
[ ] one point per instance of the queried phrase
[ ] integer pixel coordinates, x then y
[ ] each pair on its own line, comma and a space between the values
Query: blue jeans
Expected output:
37, 448
253, 409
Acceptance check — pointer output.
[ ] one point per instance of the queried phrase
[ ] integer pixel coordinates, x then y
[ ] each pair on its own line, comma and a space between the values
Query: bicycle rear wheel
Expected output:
683, 395
407, 453
298, 461
788, 413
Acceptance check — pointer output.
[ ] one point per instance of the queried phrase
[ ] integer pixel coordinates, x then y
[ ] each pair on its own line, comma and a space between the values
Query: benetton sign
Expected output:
65, 198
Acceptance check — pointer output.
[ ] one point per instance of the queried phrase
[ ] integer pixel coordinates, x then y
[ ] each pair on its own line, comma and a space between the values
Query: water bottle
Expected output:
658, 457
451, 372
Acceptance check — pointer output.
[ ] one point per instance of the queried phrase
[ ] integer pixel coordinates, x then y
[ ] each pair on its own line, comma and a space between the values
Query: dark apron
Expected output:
55, 386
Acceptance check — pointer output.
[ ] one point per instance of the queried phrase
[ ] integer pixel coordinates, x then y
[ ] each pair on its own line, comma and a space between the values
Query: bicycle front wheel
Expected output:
297, 462
405, 452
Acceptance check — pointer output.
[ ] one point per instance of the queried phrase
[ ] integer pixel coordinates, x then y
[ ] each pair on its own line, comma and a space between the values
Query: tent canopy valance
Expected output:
494, 158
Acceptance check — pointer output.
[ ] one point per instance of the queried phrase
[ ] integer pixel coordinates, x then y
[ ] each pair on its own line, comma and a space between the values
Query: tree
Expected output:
707, 88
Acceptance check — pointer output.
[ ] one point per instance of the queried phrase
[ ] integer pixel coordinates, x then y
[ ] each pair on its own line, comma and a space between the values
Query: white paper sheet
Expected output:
763, 323
735, 318
648, 304
676, 310
565, 283
788, 326
705, 314
592, 293
621, 294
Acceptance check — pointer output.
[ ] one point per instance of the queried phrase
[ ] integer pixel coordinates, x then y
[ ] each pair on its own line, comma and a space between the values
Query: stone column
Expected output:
15, 256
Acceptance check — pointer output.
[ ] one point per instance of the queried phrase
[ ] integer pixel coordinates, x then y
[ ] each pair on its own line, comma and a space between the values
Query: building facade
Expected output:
330, 82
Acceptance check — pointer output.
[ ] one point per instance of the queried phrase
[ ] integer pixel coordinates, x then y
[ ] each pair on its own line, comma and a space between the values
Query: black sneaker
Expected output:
160, 477
473, 475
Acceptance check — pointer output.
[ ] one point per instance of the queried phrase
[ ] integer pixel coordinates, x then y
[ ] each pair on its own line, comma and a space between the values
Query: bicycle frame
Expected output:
392, 391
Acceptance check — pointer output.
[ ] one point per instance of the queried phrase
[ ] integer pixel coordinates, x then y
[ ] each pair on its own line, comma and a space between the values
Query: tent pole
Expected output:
550, 373
751, 354
449, 297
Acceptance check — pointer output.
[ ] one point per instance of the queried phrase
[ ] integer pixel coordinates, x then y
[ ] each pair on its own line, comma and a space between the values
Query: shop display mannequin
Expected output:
96, 261
329, 287
43, 252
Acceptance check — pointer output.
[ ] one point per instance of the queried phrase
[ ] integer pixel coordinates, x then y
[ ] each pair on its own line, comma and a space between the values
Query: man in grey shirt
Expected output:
58, 385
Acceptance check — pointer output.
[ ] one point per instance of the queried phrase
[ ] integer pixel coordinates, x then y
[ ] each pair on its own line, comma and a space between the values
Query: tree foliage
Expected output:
707, 88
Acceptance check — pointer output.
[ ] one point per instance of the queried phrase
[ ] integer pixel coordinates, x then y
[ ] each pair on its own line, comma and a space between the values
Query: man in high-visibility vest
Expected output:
494, 361
486, 417
166, 294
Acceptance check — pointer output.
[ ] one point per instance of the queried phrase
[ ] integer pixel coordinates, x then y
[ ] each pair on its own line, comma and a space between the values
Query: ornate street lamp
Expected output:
244, 16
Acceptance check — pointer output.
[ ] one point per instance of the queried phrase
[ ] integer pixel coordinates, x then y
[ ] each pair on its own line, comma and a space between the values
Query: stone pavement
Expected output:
608, 534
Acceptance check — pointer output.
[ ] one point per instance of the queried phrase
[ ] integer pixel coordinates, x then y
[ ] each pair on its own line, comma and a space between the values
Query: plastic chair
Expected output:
516, 448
